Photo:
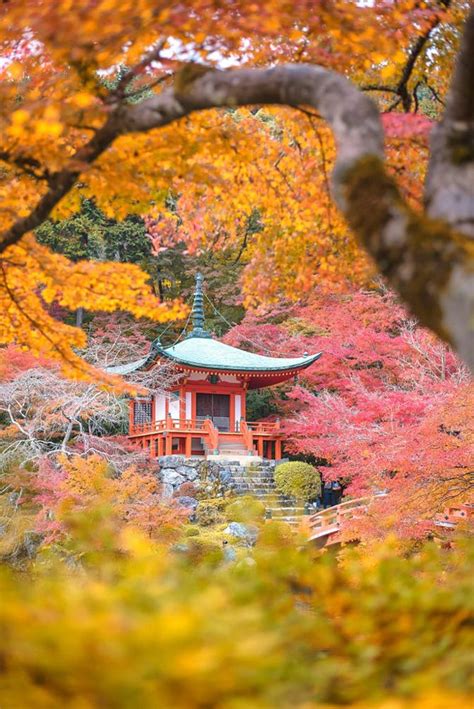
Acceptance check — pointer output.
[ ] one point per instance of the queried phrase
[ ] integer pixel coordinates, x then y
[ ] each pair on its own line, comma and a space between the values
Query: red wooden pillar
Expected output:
131, 415
187, 451
168, 443
278, 449
161, 446
243, 405
260, 446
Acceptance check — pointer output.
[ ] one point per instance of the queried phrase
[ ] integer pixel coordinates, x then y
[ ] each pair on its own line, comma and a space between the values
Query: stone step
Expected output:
262, 488
257, 482
260, 493
234, 450
252, 478
232, 445
238, 453
294, 521
259, 487
286, 511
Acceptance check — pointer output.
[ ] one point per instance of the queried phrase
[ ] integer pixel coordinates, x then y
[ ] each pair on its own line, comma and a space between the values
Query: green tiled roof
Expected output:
128, 368
204, 353
200, 351
211, 354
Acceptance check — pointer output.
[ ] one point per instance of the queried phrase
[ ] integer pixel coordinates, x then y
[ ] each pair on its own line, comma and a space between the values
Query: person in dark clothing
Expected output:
327, 494
336, 489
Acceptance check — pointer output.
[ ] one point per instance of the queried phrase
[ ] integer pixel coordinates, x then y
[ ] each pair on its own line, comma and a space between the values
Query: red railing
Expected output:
262, 427
246, 435
212, 433
168, 424
328, 522
247, 429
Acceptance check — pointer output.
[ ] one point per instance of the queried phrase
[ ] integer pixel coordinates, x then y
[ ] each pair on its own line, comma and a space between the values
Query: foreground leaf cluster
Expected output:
143, 626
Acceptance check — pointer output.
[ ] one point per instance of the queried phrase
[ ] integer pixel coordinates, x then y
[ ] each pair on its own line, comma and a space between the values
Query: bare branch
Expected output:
401, 88
26, 164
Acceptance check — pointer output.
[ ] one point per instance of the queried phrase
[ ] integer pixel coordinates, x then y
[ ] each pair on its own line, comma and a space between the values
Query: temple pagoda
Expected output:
204, 412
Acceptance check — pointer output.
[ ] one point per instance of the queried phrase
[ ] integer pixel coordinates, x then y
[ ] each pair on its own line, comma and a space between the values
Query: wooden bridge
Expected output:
325, 525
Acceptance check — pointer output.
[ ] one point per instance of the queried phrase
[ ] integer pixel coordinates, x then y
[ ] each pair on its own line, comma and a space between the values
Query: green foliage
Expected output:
191, 531
90, 234
299, 480
135, 91
245, 509
261, 403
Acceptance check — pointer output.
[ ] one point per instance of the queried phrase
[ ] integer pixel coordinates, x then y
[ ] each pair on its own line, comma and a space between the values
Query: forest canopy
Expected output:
107, 117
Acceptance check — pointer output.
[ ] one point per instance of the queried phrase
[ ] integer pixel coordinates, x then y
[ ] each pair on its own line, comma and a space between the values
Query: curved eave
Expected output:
124, 369
263, 371
210, 368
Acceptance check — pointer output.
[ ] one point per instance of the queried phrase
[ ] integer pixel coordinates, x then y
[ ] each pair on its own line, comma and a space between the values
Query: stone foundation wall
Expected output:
206, 475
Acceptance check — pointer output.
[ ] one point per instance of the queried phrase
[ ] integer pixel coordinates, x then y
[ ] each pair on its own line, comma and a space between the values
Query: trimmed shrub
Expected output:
297, 479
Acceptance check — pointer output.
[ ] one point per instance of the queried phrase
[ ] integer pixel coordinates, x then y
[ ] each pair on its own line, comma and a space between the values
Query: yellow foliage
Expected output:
146, 627
224, 164
31, 274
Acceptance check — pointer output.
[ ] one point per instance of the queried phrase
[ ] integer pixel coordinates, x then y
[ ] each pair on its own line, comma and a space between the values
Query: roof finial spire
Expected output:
197, 312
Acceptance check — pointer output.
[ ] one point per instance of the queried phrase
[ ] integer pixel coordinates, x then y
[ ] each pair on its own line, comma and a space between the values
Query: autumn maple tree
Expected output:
387, 408
106, 116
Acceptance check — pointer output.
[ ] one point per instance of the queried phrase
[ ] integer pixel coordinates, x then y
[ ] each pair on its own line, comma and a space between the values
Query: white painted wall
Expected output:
174, 406
188, 401
238, 407
160, 407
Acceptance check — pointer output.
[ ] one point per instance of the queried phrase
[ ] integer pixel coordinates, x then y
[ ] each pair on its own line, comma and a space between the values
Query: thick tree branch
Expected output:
461, 96
449, 191
402, 86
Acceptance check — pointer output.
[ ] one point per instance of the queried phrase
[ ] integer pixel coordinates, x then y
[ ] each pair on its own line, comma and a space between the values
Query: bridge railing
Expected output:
329, 521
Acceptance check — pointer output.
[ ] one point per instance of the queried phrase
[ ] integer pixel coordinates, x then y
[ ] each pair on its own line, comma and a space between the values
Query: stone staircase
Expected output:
232, 452
232, 448
253, 477
257, 480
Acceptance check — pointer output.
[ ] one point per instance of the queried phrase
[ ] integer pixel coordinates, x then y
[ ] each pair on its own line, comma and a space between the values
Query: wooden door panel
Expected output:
217, 407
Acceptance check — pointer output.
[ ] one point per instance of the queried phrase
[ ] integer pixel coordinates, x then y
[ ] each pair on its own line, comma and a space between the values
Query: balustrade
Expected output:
213, 434
170, 424
165, 430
